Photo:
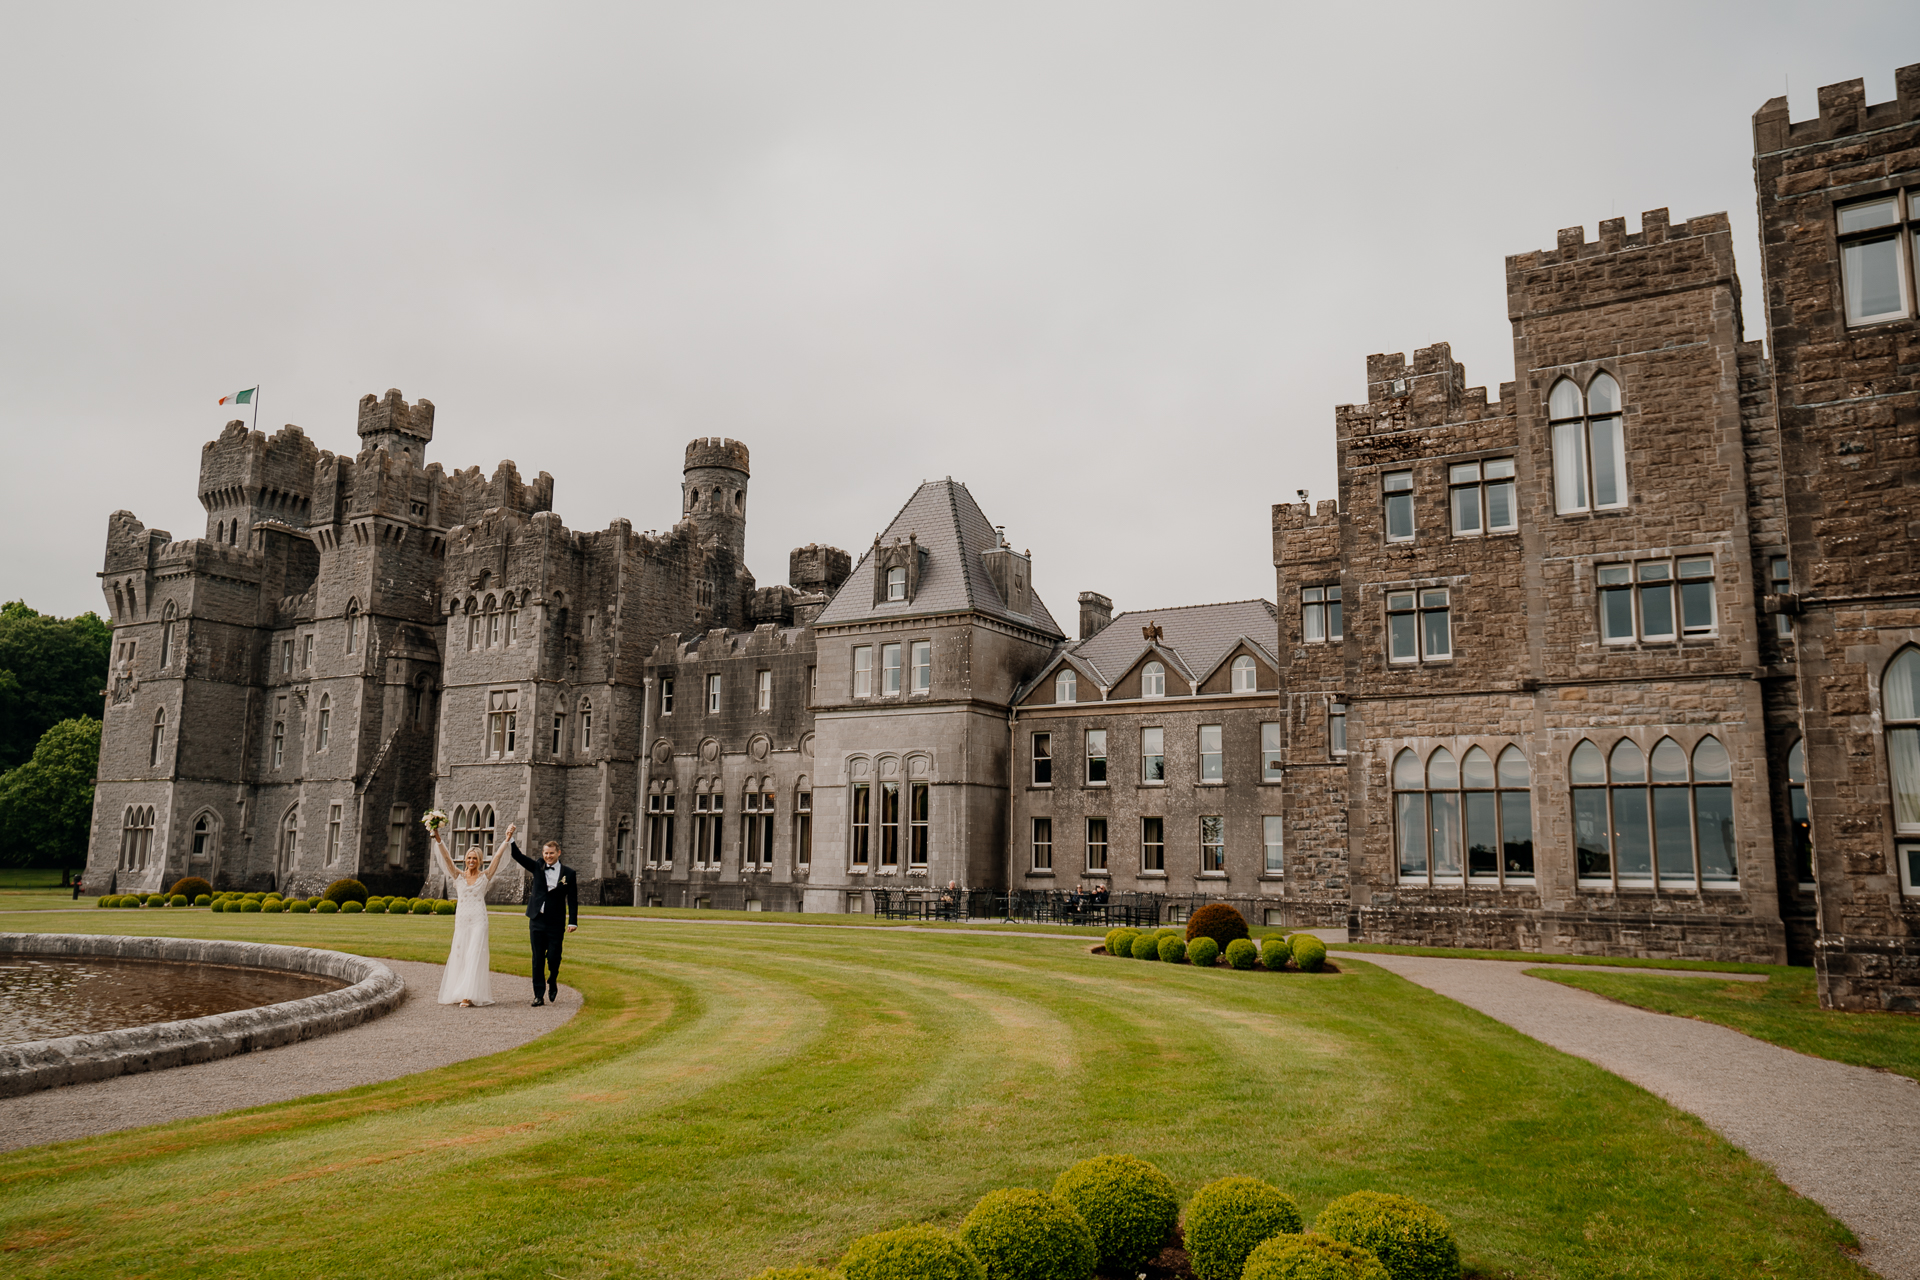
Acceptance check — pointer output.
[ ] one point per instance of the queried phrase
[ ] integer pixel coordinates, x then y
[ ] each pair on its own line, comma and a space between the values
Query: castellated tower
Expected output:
713, 496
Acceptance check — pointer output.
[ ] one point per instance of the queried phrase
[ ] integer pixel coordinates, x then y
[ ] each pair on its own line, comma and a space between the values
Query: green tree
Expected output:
51, 669
46, 805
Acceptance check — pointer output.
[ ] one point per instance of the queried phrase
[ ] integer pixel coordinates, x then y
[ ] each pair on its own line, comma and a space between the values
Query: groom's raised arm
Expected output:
523, 859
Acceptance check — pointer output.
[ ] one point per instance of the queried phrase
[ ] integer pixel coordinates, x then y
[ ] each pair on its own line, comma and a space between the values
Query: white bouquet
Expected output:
433, 819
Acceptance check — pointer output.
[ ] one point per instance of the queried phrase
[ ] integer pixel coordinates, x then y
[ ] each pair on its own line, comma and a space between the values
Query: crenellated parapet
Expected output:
1843, 112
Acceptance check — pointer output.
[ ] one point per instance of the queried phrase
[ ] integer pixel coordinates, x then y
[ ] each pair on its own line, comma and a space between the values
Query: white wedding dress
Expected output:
467, 975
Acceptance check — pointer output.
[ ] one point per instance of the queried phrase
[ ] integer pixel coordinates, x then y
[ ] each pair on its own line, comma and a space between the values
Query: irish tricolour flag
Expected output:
240, 397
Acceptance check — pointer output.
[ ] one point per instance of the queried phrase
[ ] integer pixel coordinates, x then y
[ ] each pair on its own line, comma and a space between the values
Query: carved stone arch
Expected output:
802, 783
806, 746
887, 766
919, 765
859, 766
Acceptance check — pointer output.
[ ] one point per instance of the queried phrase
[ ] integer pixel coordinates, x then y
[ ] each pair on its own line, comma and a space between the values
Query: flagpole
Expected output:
256, 410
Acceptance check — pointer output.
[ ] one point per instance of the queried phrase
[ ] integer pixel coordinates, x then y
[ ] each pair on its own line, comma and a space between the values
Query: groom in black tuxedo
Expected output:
553, 912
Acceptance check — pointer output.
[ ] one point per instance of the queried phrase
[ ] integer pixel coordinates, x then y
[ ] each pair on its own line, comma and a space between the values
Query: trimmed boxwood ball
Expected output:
376, 908
1308, 952
300, 908
1242, 954
203, 900
250, 905
1228, 1219
1129, 1205
192, 886
1022, 1234
177, 900
346, 891
351, 907
1173, 951
1274, 954
421, 907
102, 901
445, 908
1218, 921
1412, 1241
327, 907
273, 906
1113, 937
910, 1253
1203, 952
1312, 1257
1146, 947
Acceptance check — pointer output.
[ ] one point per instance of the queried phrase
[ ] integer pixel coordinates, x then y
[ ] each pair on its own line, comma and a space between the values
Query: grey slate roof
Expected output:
953, 532
1201, 634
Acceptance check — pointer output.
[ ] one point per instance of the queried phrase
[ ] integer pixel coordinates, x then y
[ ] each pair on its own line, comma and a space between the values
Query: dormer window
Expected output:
897, 583
1153, 681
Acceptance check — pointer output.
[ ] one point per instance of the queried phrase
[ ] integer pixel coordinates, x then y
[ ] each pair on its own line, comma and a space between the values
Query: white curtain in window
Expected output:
1901, 690
1569, 468
1903, 753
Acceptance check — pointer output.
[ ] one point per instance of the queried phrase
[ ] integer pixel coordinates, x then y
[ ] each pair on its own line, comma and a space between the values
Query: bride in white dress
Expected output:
466, 981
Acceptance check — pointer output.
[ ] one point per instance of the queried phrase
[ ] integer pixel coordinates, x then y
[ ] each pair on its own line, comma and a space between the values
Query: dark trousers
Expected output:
546, 955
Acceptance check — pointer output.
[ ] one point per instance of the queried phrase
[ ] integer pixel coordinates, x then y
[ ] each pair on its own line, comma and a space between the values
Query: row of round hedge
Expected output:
273, 903
1301, 951
1117, 1212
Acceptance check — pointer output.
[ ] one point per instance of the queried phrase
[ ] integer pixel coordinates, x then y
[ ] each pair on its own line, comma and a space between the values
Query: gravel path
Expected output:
417, 1036
1845, 1137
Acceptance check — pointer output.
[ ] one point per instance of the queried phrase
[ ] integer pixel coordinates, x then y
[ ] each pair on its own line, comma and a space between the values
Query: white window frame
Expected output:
1211, 746
1320, 618
1245, 666
1153, 853
1570, 435
897, 583
333, 833
1153, 680
502, 723
1096, 748
1627, 585
1902, 232
1043, 844
1153, 764
1042, 758
1470, 510
1271, 751
1097, 850
890, 656
920, 657
1213, 844
1066, 686
763, 694
1336, 728
1396, 496
713, 693
1418, 603
666, 695
1273, 843
863, 671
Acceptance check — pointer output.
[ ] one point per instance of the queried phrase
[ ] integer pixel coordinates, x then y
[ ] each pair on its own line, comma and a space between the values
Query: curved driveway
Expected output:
1845, 1137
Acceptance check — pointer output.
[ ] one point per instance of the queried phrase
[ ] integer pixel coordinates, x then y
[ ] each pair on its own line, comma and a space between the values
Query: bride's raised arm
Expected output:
500, 850
446, 859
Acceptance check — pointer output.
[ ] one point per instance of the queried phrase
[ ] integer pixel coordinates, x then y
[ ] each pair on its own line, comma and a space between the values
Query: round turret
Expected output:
713, 491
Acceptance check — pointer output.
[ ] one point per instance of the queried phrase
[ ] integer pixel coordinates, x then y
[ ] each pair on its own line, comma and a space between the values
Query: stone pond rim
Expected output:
373, 989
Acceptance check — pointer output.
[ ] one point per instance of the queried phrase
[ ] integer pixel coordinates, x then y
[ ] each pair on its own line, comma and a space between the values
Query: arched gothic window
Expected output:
473, 625
136, 837
1589, 447
1246, 677
1066, 686
289, 838
1900, 712
586, 724
1632, 814
353, 627
201, 850
159, 738
472, 829
1153, 681
513, 618
166, 635
422, 701
1473, 804
1798, 829
493, 622
325, 721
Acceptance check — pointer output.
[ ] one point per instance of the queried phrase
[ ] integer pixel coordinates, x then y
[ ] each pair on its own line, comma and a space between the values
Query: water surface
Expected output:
42, 997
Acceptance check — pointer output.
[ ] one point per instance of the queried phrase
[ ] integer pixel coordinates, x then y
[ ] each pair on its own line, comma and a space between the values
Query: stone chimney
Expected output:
1096, 611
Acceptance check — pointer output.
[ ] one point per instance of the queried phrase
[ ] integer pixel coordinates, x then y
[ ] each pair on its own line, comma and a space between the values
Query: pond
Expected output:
42, 997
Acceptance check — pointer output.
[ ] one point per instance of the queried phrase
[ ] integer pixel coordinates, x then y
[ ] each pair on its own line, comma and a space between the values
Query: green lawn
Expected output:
1784, 1011
32, 889
731, 1098
1536, 957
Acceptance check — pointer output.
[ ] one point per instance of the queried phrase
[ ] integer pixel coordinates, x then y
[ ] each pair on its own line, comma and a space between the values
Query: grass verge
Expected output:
1536, 957
1785, 1011
731, 1099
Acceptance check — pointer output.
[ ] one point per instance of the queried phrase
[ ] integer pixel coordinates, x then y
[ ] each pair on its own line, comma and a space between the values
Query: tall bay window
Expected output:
136, 837
1900, 710
1589, 447
859, 825
472, 829
1469, 805
919, 830
1875, 248
1633, 814
333, 834
1320, 614
1497, 805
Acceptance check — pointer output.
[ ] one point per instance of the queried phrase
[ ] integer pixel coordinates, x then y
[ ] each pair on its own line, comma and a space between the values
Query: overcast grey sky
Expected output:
1111, 264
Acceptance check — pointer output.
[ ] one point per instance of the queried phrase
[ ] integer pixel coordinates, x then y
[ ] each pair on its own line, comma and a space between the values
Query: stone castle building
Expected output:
1623, 661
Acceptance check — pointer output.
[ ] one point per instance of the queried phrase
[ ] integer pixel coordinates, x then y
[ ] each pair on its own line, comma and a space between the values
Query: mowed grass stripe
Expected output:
766, 1095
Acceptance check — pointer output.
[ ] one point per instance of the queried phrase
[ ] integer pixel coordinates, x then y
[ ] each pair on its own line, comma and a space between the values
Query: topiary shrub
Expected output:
351, 907
346, 891
1113, 940
327, 907
1309, 953
445, 908
1129, 1206
1173, 951
1274, 954
250, 905
910, 1253
300, 908
1412, 1241
273, 906
203, 900
376, 908
421, 907
177, 900
1218, 921
796, 1273
1146, 947
1312, 1257
1203, 952
1122, 943
192, 886
1228, 1219
1242, 954
1022, 1234
102, 901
